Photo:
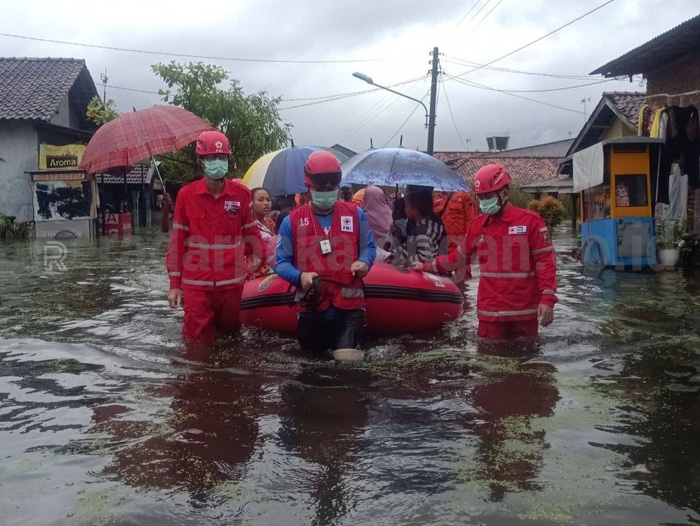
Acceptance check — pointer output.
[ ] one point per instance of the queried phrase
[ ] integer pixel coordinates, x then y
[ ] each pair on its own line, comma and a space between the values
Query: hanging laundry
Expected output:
682, 142
656, 123
643, 123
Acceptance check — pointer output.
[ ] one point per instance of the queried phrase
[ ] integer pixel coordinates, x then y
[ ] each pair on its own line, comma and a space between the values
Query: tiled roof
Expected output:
523, 170
627, 103
33, 88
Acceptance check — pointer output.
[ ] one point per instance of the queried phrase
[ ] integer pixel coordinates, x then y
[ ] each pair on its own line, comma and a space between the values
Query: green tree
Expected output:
251, 122
100, 112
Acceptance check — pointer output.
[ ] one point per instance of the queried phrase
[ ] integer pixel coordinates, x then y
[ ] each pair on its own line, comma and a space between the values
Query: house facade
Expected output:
43, 101
670, 64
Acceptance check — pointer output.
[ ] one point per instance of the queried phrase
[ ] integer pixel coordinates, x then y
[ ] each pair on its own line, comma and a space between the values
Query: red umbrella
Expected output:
136, 136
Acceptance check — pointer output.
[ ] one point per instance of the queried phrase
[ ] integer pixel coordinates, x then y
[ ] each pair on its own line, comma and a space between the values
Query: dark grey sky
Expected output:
403, 31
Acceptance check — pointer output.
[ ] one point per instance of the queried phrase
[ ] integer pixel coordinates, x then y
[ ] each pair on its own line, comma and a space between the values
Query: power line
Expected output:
481, 86
332, 98
547, 90
349, 93
477, 13
536, 40
375, 111
464, 62
470, 10
449, 107
204, 57
407, 118
485, 17
133, 89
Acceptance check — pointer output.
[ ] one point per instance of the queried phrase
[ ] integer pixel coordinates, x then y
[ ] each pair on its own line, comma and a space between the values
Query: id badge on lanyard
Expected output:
326, 247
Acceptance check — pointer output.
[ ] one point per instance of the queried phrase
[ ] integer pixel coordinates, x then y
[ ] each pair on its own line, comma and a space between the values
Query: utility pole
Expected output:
433, 97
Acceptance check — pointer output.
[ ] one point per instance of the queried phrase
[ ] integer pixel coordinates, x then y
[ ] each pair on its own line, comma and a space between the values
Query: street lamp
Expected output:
369, 80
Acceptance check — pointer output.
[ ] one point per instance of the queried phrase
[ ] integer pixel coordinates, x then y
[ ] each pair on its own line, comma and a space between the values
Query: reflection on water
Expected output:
105, 419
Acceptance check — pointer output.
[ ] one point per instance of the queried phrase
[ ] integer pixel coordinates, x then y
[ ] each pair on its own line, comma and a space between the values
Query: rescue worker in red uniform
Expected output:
325, 249
213, 230
517, 288
456, 210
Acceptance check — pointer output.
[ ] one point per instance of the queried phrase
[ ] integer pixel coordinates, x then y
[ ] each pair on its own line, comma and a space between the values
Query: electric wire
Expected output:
200, 57
463, 62
407, 118
535, 41
454, 122
481, 86
389, 100
485, 17
466, 15
477, 14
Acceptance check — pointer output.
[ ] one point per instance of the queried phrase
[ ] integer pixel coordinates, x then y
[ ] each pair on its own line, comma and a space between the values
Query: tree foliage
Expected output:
99, 111
251, 122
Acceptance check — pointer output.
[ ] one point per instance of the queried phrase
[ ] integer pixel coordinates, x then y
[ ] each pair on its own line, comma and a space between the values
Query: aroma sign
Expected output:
68, 161
66, 157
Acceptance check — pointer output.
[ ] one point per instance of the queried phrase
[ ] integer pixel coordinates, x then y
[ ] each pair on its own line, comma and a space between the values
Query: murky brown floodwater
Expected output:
104, 420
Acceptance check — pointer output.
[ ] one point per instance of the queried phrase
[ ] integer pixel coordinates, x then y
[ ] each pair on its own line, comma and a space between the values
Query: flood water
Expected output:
106, 420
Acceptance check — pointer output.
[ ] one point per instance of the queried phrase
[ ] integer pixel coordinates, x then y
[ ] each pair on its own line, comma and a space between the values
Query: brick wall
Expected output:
680, 76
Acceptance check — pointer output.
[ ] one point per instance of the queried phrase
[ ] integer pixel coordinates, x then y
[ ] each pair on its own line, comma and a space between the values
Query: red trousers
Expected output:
207, 311
507, 330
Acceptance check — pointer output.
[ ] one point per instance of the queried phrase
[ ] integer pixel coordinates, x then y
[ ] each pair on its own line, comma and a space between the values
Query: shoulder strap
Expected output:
442, 212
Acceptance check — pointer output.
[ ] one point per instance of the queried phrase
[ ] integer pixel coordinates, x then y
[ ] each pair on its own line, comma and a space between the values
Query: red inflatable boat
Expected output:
398, 301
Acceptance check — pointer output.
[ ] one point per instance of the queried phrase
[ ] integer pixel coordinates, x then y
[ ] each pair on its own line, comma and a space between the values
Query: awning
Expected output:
553, 186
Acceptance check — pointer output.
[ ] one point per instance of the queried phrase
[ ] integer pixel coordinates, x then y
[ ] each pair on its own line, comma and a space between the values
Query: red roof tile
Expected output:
523, 170
627, 103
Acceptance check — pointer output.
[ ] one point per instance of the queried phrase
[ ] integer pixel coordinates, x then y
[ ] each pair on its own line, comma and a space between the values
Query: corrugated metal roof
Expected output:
33, 88
666, 47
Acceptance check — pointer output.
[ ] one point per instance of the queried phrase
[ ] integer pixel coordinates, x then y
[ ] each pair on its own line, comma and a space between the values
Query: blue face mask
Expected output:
324, 200
216, 169
490, 206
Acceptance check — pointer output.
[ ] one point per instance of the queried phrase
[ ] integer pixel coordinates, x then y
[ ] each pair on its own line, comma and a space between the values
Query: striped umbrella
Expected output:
282, 172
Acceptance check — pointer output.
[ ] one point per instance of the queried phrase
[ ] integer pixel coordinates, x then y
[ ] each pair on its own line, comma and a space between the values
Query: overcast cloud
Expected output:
404, 31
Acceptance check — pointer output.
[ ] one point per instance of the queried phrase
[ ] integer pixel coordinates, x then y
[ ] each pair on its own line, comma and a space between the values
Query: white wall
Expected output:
19, 147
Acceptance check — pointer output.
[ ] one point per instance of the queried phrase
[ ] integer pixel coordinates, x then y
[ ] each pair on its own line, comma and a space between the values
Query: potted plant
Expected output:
669, 236
550, 209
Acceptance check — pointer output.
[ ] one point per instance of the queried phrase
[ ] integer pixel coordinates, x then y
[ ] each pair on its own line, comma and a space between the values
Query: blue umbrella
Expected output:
402, 167
282, 172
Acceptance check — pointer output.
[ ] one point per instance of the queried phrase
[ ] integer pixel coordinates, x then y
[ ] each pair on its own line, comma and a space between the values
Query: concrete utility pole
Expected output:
433, 98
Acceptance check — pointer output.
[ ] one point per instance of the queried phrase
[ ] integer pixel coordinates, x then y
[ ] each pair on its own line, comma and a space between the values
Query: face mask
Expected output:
216, 169
324, 200
490, 206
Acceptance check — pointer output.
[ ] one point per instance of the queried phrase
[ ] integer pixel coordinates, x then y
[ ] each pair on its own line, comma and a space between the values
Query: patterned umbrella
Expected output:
401, 166
282, 172
135, 136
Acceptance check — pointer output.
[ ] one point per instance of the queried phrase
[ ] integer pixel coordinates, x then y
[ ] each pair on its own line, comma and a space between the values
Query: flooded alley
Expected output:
106, 419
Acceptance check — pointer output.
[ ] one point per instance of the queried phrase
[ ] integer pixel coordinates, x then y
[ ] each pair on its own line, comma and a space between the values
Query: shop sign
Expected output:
66, 157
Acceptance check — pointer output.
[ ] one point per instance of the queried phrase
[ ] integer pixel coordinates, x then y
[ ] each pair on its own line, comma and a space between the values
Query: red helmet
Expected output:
491, 178
212, 142
322, 163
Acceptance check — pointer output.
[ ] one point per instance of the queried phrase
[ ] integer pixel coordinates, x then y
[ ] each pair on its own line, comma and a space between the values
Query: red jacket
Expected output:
211, 236
517, 262
344, 290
